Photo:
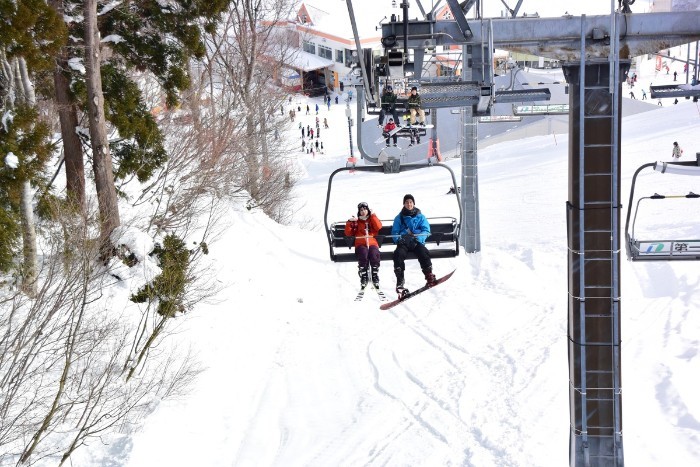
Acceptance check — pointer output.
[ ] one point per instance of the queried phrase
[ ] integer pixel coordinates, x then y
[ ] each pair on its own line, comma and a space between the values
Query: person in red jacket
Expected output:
364, 228
390, 125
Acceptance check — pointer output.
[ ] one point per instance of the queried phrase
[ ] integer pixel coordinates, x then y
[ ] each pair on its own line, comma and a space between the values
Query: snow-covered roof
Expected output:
307, 62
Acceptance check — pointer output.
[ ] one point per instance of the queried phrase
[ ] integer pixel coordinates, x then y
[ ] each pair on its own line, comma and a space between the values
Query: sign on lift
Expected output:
549, 109
669, 248
499, 118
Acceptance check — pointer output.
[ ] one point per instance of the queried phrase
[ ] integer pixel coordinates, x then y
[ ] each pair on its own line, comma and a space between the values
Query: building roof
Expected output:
305, 61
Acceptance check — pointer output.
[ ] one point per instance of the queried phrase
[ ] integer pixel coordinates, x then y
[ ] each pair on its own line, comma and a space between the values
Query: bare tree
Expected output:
246, 55
62, 381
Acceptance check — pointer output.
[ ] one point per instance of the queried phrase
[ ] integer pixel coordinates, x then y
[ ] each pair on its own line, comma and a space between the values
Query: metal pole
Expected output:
348, 113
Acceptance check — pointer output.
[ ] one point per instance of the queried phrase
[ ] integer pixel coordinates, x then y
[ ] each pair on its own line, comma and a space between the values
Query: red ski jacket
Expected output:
364, 230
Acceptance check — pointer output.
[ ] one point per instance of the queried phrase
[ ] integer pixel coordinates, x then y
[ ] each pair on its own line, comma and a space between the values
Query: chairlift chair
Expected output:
661, 249
443, 242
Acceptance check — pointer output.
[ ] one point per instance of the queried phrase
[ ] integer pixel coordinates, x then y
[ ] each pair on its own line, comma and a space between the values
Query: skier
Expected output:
415, 105
390, 125
364, 228
415, 138
410, 230
677, 151
388, 102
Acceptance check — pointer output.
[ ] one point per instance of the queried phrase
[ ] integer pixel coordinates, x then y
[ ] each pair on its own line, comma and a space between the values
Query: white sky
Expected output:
552, 8
473, 372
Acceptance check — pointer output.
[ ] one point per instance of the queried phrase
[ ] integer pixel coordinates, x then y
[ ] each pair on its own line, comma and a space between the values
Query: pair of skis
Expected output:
380, 294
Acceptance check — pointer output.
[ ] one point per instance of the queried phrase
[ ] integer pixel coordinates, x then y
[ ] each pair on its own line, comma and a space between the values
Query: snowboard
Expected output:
408, 128
391, 133
388, 305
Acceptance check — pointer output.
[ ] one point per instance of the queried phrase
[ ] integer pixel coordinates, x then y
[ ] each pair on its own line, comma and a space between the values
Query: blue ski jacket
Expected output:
415, 222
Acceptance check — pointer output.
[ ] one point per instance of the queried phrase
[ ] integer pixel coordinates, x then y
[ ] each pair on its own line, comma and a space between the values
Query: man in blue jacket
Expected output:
410, 230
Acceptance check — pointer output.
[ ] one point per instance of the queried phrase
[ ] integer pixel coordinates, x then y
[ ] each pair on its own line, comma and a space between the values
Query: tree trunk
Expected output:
68, 115
101, 157
29, 269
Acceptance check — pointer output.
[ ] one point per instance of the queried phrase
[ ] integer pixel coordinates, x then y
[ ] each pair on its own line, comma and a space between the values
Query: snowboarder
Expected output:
325, 121
677, 151
388, 102
364, 228
390, 125
415, 106
410, 231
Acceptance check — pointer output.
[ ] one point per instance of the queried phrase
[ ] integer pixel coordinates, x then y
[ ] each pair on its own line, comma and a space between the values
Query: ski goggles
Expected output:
363, 205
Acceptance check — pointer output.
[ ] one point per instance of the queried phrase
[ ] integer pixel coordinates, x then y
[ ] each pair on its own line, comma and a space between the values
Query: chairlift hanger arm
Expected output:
629, 212
677, 168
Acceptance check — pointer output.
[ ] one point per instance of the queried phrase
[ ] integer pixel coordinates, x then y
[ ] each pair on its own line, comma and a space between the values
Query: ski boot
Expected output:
375, 276
430, 279
400, 289
364, 278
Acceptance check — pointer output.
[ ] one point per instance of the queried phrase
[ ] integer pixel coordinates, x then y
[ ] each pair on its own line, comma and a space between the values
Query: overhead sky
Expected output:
549, 8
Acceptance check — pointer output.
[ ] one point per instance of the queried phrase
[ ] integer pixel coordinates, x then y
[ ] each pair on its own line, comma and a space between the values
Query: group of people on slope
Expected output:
388, 106
409, 231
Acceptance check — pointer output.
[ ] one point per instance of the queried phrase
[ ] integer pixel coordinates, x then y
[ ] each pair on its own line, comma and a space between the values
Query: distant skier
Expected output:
415, 138
677, 151
364, 228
